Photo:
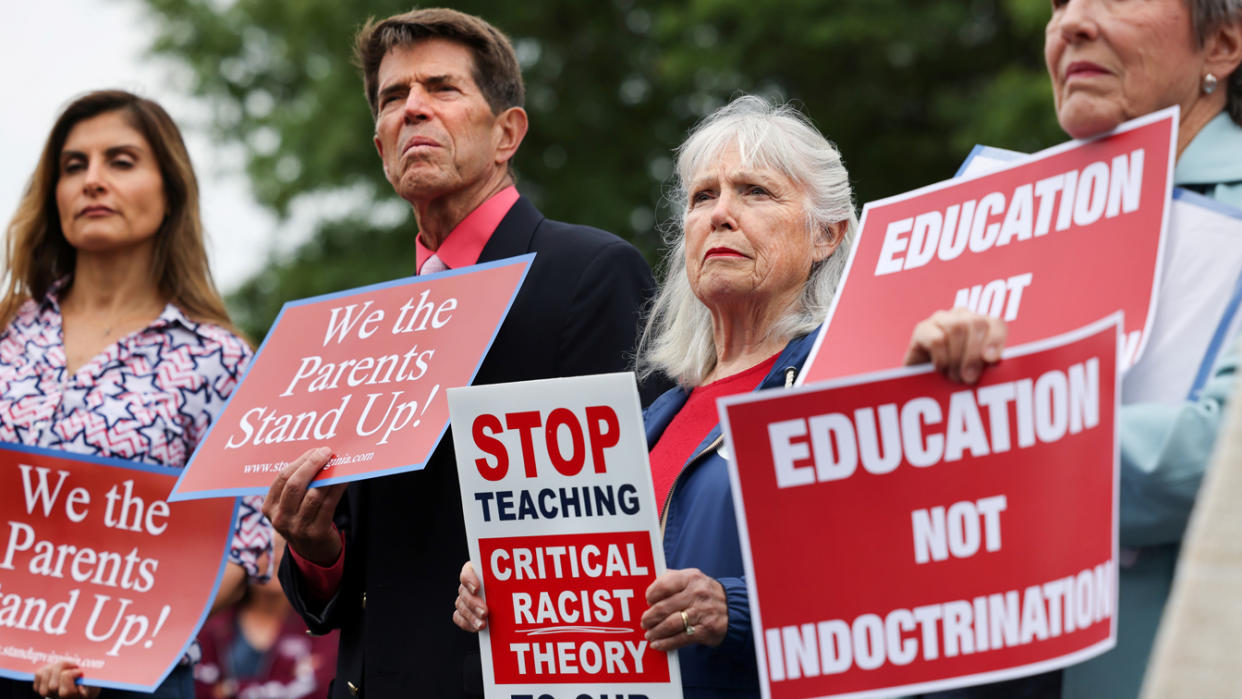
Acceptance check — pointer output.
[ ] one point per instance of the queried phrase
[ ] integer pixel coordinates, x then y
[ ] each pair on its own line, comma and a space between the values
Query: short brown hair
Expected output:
496, 70
38, 254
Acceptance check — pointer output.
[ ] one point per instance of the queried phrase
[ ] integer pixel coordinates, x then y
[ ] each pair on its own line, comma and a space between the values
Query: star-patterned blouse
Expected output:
149, 397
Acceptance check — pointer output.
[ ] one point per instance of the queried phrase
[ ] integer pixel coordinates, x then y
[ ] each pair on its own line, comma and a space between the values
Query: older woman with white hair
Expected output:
766, 221
765, 224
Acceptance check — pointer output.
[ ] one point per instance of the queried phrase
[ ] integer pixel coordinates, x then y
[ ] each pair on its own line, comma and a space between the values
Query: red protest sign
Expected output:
1048, 243
905, 534
579, 584
563, 532
362, 371
98, 569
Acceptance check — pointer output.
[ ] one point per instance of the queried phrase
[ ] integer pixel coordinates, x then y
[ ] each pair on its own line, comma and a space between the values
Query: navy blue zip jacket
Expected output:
700, 531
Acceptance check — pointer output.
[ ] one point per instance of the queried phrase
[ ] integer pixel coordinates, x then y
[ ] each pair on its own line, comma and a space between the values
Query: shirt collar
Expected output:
51, 300
174, 315
1212, 155
464, 244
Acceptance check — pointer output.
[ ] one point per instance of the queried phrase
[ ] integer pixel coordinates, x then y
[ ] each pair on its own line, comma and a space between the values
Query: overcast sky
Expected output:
57, 49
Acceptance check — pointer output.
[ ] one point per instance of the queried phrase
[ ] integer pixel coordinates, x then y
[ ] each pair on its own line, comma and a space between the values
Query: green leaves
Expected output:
904, 88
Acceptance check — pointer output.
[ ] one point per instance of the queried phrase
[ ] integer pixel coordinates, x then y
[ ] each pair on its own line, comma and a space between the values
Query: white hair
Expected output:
678, 338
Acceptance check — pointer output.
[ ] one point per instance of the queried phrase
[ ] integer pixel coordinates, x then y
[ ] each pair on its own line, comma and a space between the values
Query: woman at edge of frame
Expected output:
1110, 61
107, 282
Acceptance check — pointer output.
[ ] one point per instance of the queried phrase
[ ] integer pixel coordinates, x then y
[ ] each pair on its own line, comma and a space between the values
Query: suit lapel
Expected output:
513, 235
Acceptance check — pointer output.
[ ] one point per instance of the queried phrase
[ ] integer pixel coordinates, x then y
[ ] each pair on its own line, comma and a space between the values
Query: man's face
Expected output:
435, 131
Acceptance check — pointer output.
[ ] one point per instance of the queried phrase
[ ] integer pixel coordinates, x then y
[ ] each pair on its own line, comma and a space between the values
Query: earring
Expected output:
1209, 84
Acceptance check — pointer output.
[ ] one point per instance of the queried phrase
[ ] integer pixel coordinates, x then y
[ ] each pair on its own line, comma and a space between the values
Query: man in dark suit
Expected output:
379, 559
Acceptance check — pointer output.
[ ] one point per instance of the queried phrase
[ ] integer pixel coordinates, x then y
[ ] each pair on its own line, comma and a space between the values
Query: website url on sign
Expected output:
39, 657
264, 468
338, 460
342, 459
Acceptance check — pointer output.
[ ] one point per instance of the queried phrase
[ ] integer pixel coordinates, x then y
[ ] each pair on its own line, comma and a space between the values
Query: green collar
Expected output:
1212, 156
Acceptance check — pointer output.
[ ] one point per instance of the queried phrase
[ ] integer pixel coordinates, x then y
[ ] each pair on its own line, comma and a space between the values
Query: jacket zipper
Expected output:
791, 372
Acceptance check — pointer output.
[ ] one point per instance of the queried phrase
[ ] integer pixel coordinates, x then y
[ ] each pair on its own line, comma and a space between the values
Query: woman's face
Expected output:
1114, 60
746, 235
110, 195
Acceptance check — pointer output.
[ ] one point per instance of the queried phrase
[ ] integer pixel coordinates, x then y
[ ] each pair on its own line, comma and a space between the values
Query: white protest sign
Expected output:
563, 531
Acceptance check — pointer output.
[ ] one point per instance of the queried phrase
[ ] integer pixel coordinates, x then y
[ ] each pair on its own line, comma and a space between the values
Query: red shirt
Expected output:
693, 423
465, 242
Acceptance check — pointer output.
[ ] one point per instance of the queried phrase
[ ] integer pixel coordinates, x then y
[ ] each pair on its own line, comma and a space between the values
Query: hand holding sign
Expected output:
958, 342
303, 515
60, 680
471, 612
686, 607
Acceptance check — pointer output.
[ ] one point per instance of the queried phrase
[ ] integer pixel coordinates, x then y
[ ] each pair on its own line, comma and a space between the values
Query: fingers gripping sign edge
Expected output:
302, 514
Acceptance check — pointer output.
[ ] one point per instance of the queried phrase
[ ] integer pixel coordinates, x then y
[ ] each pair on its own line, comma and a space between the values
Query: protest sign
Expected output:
904, 534
983, 159
1198, 299
563, 531
98, 569
361, 371
1047, 243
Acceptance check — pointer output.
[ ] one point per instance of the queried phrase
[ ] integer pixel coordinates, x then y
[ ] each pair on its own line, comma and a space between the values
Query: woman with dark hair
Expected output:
114, 340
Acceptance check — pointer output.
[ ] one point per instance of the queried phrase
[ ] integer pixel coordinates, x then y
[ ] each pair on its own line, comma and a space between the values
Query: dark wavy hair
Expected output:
496, 69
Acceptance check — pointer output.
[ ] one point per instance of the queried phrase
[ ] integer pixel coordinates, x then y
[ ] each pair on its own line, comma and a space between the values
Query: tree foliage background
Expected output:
904, 87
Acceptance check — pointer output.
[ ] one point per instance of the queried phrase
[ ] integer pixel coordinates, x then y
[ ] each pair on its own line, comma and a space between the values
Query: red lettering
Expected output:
482, 425
602, 439
568, 453
525, 421
571, 466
